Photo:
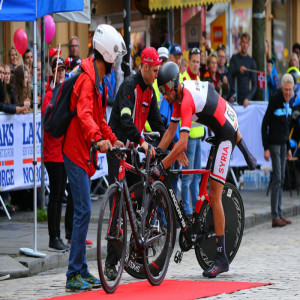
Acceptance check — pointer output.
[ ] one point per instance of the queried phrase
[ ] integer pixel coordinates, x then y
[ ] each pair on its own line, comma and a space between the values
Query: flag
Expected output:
20, 10
261, 78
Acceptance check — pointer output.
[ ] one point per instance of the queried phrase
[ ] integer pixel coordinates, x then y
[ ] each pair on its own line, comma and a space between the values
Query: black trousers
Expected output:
57, 179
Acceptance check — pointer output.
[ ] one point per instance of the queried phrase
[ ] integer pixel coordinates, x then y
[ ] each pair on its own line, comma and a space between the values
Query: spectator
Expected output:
89, 99
10, 96
73, 47
296, 49
22, 86
53, 52
176, 54
294, 60
9, 108
13, 59
129, 114
163, 54
54, 163
203, 65
275, 137
1, 73
183, 65
239, 69
213, 76
190, 183
294, 71
28, 59
204, 46
222, 68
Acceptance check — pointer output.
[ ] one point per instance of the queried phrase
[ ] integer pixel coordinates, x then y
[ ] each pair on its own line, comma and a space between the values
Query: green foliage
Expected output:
42, 215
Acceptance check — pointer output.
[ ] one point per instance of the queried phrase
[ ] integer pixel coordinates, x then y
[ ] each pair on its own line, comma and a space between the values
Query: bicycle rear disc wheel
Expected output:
158, 234
134, 261
234, 226
111, 238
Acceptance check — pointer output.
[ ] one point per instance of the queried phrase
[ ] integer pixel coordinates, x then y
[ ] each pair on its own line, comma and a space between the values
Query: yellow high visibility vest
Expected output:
197, 130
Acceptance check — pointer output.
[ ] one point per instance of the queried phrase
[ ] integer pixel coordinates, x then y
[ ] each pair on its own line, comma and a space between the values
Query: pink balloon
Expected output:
49, 29
20, 40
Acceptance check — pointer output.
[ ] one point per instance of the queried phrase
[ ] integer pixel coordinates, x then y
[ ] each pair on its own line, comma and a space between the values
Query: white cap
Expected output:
163, 52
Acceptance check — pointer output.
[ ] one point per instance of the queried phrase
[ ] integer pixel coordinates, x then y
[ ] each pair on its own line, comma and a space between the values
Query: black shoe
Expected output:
220, 265
63, 244
110, 272
56, 246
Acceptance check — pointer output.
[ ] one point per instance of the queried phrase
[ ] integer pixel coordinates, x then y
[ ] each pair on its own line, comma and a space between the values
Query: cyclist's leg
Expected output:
216, 183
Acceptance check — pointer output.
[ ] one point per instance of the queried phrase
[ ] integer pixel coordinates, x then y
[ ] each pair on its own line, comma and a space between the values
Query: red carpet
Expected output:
168, 290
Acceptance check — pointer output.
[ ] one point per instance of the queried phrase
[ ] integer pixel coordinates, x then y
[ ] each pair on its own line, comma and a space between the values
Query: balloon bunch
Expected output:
21, 40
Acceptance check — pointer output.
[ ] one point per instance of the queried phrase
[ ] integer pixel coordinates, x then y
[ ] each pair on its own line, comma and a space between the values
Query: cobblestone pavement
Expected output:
266, 255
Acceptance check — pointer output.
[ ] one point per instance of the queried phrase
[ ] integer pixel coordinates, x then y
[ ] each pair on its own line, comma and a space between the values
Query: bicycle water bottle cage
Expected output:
211, 140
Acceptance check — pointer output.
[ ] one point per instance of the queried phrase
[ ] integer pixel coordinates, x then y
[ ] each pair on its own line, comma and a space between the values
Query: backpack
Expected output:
57, 114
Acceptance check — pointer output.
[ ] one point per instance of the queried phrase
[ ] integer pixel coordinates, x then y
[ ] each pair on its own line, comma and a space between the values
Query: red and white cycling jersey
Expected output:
202, 104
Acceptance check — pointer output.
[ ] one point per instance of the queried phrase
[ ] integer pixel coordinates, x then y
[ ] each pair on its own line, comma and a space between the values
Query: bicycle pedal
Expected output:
178, 257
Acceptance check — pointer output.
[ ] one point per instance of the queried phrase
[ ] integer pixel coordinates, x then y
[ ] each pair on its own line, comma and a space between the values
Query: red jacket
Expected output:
52, 147
89, 122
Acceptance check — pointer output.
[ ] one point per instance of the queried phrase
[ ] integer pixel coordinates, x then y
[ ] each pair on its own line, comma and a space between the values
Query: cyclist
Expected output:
198, 101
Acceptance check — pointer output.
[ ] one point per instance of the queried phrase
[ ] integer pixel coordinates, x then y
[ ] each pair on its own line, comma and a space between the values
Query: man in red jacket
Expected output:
89, 98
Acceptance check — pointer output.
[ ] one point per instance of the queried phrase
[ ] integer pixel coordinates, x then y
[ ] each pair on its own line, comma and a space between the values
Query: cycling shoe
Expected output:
216, 269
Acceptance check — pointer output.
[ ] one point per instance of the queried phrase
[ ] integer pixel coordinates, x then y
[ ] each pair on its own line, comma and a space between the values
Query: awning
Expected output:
169, 4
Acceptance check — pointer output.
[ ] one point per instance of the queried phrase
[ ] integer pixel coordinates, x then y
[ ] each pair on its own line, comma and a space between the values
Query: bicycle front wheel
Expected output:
111, 239
134, 261
234, 227
158, 234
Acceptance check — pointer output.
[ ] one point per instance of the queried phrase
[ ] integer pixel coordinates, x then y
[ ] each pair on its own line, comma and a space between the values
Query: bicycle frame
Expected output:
202, 196
125, 196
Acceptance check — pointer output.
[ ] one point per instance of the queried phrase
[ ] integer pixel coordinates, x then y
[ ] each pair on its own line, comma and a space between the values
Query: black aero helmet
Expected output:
168, 78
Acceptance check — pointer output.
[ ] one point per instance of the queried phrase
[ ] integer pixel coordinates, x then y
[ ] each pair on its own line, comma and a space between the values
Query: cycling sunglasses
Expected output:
195, 51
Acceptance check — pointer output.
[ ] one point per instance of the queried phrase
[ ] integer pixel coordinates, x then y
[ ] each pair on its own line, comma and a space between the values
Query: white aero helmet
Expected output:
109, 42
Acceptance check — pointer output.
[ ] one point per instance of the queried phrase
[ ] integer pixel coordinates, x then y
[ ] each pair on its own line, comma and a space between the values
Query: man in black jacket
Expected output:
135, 104
275, 135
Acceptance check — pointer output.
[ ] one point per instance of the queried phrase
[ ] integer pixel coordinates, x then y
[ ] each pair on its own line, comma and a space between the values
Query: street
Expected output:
266, 255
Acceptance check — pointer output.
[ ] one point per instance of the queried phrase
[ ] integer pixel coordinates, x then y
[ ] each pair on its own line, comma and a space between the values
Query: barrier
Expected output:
16, 146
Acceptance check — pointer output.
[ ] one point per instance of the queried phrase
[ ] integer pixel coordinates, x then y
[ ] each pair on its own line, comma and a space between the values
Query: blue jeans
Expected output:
80, 189
278, 156
191, 182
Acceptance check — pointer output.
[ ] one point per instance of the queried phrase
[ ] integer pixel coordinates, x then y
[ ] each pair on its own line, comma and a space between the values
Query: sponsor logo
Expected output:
28, 133
7, 177
223, 160
182, 221
6, 135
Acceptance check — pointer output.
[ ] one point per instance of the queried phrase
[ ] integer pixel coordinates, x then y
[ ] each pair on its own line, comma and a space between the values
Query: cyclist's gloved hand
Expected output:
158, 172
